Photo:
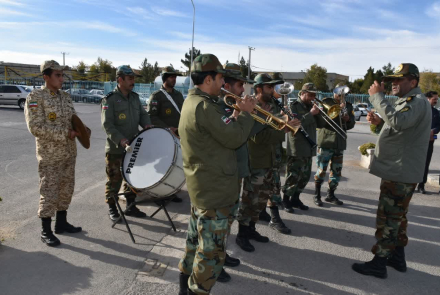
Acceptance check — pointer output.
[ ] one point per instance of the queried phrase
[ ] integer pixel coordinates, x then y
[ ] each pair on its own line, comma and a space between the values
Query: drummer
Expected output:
121, 116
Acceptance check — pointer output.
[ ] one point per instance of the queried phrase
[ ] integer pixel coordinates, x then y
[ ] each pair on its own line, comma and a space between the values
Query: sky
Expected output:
344, 36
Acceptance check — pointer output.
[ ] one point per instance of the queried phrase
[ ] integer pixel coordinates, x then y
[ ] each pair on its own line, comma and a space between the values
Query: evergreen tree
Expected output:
187, 61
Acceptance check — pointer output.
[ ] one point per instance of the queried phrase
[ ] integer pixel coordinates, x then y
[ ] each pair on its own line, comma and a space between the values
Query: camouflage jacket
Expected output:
121, 118
162, 111
327, 137
400, 152
49, 117
209, 140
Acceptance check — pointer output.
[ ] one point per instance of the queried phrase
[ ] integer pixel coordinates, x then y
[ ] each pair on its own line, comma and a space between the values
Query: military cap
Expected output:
234, 71
207, 63
264, 79
53, 65
308, 87
126, 71
277, 76
404, 70
170, 71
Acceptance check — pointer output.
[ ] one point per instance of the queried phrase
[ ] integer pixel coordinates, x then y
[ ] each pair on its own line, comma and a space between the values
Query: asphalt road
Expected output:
315, 259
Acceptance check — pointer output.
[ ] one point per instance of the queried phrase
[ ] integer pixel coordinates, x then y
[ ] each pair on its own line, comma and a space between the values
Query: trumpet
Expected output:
262, 116
332, 113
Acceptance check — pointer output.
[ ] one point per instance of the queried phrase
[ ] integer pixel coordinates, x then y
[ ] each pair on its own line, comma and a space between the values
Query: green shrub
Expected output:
373, 128
363, 148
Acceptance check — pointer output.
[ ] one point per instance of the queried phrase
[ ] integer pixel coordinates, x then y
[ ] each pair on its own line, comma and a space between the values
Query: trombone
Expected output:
332, 112
342, 91
262, 116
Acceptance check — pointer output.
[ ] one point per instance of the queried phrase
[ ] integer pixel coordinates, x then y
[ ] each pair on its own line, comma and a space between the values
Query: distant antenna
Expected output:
64, 57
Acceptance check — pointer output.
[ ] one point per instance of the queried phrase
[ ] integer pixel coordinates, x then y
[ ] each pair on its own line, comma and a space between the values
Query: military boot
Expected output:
376, 267
287, 205
61, 224
254, 235
223, 277
397, 259
133, 211
113, 213
276, 222
242, 238
296, 202
183, 283
421, 188
47, 235
331, 197
264, 216
317, 196
231, 261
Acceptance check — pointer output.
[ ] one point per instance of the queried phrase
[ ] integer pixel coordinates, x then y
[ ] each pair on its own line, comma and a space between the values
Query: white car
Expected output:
13, 95
357, 113
364, 108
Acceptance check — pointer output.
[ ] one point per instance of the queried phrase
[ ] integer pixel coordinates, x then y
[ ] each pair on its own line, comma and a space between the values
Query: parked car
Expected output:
13, 95
78, 94
364, 108
95, 95
357, 113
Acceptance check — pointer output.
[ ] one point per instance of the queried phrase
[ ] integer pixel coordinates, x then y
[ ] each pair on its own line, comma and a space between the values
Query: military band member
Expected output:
48, 114
209, 141
299, 150
165, 105
399, 160
122, 114
331, 147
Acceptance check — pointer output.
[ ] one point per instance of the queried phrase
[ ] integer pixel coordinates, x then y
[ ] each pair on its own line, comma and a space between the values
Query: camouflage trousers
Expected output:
298, 172
391, 221
335, 158
114, 178
57, 182
257, 193
276, 175
205, 249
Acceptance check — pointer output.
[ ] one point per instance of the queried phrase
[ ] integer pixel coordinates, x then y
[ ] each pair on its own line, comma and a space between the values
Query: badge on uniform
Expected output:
226, 120
168, 111
52, 116
405, 109
52, 93
104, 107
352, 112
33, 104
122, 116
228, 110
119, 100
154, 102
409, 98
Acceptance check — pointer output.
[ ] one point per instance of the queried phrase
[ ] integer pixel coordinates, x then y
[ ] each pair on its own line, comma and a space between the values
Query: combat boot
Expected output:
61, 224
254, 235
276, 222
397, 259
296, 202
421, 188
242, 238
264, 216
183, 283
113, 213
133, 211
317, 196
331, 197
223, 277
231, 261
47, 235
287, 205
376, 267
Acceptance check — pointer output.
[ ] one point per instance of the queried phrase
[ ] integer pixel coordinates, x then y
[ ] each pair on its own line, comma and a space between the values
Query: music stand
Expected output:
161, 202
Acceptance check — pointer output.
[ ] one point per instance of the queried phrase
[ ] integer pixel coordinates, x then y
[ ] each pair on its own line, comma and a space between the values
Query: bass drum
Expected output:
154, 167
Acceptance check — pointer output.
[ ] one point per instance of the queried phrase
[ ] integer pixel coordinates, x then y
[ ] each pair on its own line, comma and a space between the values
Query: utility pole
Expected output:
191, 84
249, 69
64, 57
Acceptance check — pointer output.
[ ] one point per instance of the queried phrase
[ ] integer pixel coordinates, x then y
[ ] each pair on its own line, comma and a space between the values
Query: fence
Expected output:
353, 98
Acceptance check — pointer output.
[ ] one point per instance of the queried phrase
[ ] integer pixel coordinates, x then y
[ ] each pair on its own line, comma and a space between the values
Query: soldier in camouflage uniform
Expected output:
331, 147
399, 159
299, 150
48, 114
121, 115
165, 104
209, 140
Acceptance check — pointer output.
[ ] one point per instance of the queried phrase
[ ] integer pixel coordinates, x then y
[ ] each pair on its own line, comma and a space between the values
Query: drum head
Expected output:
152, 156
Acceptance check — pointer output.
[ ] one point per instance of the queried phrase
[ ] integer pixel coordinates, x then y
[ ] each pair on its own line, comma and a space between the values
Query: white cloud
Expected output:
434, 10
11, 12
168, 12
12, 3
141, 12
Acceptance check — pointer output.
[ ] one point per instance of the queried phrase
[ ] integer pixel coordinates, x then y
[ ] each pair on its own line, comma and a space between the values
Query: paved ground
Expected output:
314, 259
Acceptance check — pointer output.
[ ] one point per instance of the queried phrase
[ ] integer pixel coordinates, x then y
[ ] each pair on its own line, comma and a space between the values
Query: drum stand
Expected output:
162, 202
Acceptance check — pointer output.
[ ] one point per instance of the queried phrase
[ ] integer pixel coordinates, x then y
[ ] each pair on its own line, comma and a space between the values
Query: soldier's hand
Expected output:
73, 134
235, 113
247, 104
346, 118
315, 110
373, 118
376, 88
124, 142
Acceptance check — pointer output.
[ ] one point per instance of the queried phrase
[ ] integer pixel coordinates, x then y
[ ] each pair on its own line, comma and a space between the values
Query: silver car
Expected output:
13, 95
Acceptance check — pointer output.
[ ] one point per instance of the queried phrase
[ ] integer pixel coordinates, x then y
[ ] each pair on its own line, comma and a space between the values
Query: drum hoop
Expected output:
169, 169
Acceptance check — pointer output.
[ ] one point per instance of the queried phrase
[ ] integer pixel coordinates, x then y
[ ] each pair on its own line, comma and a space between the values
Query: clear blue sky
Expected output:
345, 36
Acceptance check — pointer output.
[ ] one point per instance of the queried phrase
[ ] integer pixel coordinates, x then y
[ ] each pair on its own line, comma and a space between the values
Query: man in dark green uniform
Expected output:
331, 147
399, 160
165, 105
209, 140
299, 150
121, 116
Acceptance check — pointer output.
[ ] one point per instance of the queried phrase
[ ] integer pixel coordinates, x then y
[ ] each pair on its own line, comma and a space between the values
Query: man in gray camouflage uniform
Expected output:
48, 114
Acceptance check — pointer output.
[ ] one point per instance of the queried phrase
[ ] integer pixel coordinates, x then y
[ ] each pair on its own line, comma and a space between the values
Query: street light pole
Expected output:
249, 69
64, 57
191, 84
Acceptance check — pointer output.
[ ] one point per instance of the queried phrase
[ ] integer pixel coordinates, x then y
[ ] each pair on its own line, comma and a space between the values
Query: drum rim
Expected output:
169, 169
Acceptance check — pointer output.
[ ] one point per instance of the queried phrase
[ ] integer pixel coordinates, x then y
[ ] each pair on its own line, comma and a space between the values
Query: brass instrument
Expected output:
262, 116
342, 91
331, 113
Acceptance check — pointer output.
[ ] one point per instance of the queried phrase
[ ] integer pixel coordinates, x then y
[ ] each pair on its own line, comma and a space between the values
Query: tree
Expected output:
355, 86
388, 69
318, 76
337, 81
148, 72
244, 67
81, 68
429, 81
187, 61
368, 81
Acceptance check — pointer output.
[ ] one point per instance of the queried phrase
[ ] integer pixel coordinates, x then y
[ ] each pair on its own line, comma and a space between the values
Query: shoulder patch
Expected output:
409, 98
405, 109
226, 120
108, 95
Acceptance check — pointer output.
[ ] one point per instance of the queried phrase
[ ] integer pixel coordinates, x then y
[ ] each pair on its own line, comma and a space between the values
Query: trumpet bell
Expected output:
342, 90
334, 111
284, 89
